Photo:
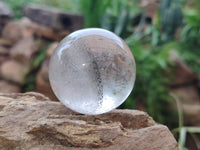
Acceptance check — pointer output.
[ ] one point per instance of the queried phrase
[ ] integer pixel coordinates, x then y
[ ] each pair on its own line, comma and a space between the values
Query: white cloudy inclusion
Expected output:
92, 71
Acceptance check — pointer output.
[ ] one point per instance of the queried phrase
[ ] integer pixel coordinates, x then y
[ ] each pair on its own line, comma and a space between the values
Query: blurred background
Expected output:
164, 37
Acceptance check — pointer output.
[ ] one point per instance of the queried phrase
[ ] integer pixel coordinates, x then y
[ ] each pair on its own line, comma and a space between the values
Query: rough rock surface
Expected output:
12, 32
151, 8
4, 53
24, 49
46, 32
51, 49
7, 87
190, 101
42, 81
31, 121
14, 71
42, 78
183, 75
184, 85
53, 17
5, 13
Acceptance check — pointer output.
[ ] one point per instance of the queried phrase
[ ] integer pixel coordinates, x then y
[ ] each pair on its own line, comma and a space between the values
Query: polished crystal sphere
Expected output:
92, 71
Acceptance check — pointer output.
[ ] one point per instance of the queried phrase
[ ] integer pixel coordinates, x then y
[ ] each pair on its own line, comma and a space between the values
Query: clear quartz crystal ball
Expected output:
92, 71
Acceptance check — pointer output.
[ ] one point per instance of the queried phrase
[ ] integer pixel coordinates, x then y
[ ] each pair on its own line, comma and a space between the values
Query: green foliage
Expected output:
17, 6
113, 15
169, 19
191, 29
118, 17
150, 89
93, 10
29, 82
182, 130
188, 52
66, 5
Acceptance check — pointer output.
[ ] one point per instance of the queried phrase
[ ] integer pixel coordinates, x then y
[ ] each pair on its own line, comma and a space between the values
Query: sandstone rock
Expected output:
25, 24
190, 101
182, 73
6, 87
12, 31
13, 71
28, 121
191, 114
24, 49
47, 32
51, 49
3, 51
42, 84
42, 78
3, 58
150, 7
53, 18
25, 28
5, 13
4, 54
16, 30
45, 70
184, 85
4, 42
189, 94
